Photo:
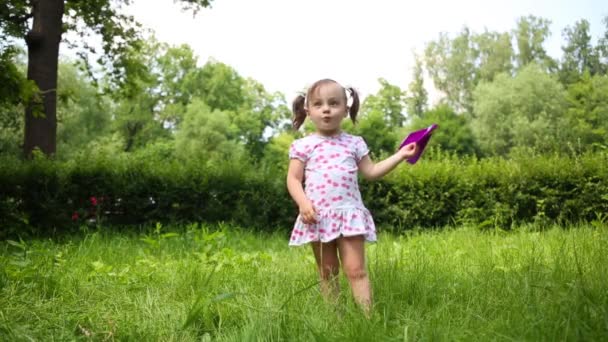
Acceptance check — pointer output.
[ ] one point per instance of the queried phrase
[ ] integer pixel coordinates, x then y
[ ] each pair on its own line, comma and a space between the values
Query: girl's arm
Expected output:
373, 171
295, 176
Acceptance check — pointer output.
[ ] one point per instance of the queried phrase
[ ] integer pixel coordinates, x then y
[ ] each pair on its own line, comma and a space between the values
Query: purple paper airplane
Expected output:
421, 138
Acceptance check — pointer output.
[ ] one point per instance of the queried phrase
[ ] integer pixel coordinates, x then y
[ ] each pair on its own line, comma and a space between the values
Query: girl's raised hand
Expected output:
308, 213
408, 150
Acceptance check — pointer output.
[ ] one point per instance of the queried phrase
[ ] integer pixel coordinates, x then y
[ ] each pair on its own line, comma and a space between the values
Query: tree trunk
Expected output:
43, 55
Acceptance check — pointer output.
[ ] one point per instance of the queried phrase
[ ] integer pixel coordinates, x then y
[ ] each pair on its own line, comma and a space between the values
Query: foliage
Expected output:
277, 151
12, 80
220, 86
602, 46
457, 65
121, 41
83, 115
495, 54
261, 115
579, 55
120, 35
494, 192
587, 113
525, 111
206, 134
175, 73
15, 90
417, 98
378, 134
381, 117
144, 112
451, 65
389, 101
454, 133
530, 34
176, 85
43, 195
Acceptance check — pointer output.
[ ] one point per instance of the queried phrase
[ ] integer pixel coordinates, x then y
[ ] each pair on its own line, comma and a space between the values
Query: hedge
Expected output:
493, 192
47, 196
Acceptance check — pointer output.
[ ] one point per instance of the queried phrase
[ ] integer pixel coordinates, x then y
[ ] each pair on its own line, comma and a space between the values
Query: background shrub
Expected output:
47, 196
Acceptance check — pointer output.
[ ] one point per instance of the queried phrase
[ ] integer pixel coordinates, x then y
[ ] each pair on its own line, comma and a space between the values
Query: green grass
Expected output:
226, 284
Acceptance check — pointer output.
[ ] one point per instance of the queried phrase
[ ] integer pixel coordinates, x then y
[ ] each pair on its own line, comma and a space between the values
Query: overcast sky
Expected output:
288, 44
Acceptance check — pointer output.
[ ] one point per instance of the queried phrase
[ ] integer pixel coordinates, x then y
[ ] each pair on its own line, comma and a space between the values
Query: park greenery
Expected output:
503, 94
164, 123
142, 190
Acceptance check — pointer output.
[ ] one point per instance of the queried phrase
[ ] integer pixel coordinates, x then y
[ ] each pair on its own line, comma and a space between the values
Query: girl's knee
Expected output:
355, 273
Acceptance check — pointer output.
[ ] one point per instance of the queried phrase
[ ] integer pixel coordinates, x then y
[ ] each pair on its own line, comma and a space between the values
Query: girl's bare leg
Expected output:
352, 255
328, 264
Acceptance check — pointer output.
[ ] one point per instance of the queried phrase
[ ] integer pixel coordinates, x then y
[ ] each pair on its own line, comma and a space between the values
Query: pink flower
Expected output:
74, 216
93, 201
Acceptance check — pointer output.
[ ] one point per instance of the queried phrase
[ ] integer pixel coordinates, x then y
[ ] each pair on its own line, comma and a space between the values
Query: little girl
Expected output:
332, 216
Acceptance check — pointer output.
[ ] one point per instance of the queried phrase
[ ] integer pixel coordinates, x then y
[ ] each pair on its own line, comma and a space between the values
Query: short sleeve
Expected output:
361, 149
297, 151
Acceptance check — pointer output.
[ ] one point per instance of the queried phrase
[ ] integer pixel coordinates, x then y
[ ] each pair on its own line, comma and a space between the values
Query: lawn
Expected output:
223, 283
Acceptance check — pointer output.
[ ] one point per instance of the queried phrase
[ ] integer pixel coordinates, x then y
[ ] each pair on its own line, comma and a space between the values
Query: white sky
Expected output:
288, 44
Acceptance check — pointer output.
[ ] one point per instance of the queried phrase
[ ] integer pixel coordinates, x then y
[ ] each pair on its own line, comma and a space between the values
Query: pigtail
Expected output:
299, 111
354, 107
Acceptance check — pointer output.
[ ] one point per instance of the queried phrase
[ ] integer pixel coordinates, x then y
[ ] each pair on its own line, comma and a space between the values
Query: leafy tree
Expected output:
381, 115
11, 128
602, 48
579, 55
138, 101
457, 65
530, 34
49, 20
155, 105
276, 152
207, 134
417, 99
451, 65
587, 112
83, 114
495, 54
176, 73
378, 134
252, 110
390, 101
454, 133
220, 86
13, 91
260, 114
521, 111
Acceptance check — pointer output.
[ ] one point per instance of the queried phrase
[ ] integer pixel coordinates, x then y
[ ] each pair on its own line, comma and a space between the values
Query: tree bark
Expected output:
43, 55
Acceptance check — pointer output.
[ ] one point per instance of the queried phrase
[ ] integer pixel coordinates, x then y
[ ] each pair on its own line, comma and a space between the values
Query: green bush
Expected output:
492, 192
48, 196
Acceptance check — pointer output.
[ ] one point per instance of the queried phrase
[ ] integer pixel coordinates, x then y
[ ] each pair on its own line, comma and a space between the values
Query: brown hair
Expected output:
299, 103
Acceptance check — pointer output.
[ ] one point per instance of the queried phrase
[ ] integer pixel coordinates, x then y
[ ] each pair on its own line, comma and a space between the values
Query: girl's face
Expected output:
327, 108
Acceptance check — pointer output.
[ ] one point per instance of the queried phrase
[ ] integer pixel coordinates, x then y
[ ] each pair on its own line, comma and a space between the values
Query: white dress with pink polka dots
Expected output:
330, 182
